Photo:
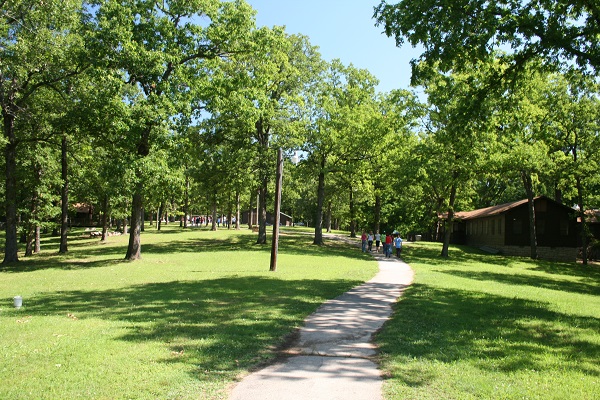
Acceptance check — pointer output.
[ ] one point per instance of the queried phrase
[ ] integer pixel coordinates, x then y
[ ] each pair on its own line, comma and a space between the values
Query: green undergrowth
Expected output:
194, 314
477, 326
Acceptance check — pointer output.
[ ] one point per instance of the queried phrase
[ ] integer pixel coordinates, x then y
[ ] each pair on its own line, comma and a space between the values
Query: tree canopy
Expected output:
455, 33
172, 110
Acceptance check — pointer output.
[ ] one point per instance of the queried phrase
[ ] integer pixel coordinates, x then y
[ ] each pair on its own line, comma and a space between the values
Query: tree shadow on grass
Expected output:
71, 263
529, 280
430, 254
288, 244
88, 253
493, 332
590, 272
211, 326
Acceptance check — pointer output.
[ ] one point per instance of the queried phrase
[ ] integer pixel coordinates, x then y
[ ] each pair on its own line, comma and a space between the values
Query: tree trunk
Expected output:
320, 199
32, 223
37, 247
186, 202
250, 210
584, 226
352, 214
328, 219
262, 212
104, 217
214, 214
11, 246
159, 215
229, 212
377, 213
29, 239
558, 195
134, 249
262, 135
237, 210
449, 223
277, 211
64, 214
527, 182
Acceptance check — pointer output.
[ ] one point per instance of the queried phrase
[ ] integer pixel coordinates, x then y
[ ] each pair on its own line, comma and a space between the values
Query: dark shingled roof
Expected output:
489, 211
497, 210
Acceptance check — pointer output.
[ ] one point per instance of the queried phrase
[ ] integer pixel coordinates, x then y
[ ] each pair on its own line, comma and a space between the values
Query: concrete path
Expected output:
332, 358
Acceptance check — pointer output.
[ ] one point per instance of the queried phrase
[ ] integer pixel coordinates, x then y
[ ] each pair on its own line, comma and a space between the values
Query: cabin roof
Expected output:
489, 211
497, 210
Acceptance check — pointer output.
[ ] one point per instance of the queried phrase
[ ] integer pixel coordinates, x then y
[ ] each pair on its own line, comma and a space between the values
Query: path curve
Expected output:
332, 357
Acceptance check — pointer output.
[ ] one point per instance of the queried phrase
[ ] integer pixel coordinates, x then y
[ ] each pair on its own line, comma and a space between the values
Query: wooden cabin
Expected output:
505, 229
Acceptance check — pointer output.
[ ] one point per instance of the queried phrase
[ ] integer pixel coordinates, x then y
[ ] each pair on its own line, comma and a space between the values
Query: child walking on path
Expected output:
398, 244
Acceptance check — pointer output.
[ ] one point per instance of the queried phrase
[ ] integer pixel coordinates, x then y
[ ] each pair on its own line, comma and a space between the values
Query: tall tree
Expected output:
98, 119
40, 46
338, 139
457, 135
393, 164
162, 53
521, 133
573, 129
265, 89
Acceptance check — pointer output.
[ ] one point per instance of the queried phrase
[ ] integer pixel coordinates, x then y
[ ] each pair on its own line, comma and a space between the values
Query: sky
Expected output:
343, 29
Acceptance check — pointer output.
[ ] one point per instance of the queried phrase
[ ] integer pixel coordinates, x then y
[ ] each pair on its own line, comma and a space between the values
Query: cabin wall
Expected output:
487, 231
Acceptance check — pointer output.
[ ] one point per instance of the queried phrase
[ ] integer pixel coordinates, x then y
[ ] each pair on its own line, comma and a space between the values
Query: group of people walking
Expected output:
389, 242
202, 220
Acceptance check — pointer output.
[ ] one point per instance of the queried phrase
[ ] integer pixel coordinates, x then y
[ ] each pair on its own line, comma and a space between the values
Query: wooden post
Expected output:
278, 182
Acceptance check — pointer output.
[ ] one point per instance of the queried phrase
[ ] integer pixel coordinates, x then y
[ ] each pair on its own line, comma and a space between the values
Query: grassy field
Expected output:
487, 327
201, 308
197, 311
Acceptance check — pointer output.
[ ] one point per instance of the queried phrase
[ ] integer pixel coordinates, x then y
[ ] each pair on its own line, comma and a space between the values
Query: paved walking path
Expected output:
332, 358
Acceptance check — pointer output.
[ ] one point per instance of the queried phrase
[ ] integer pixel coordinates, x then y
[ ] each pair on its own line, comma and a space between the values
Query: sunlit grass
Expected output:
477, 326
200, 308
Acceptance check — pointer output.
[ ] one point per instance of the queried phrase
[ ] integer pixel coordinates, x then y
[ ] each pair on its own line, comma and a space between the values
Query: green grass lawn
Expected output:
197, 311
477, 326
201, 308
